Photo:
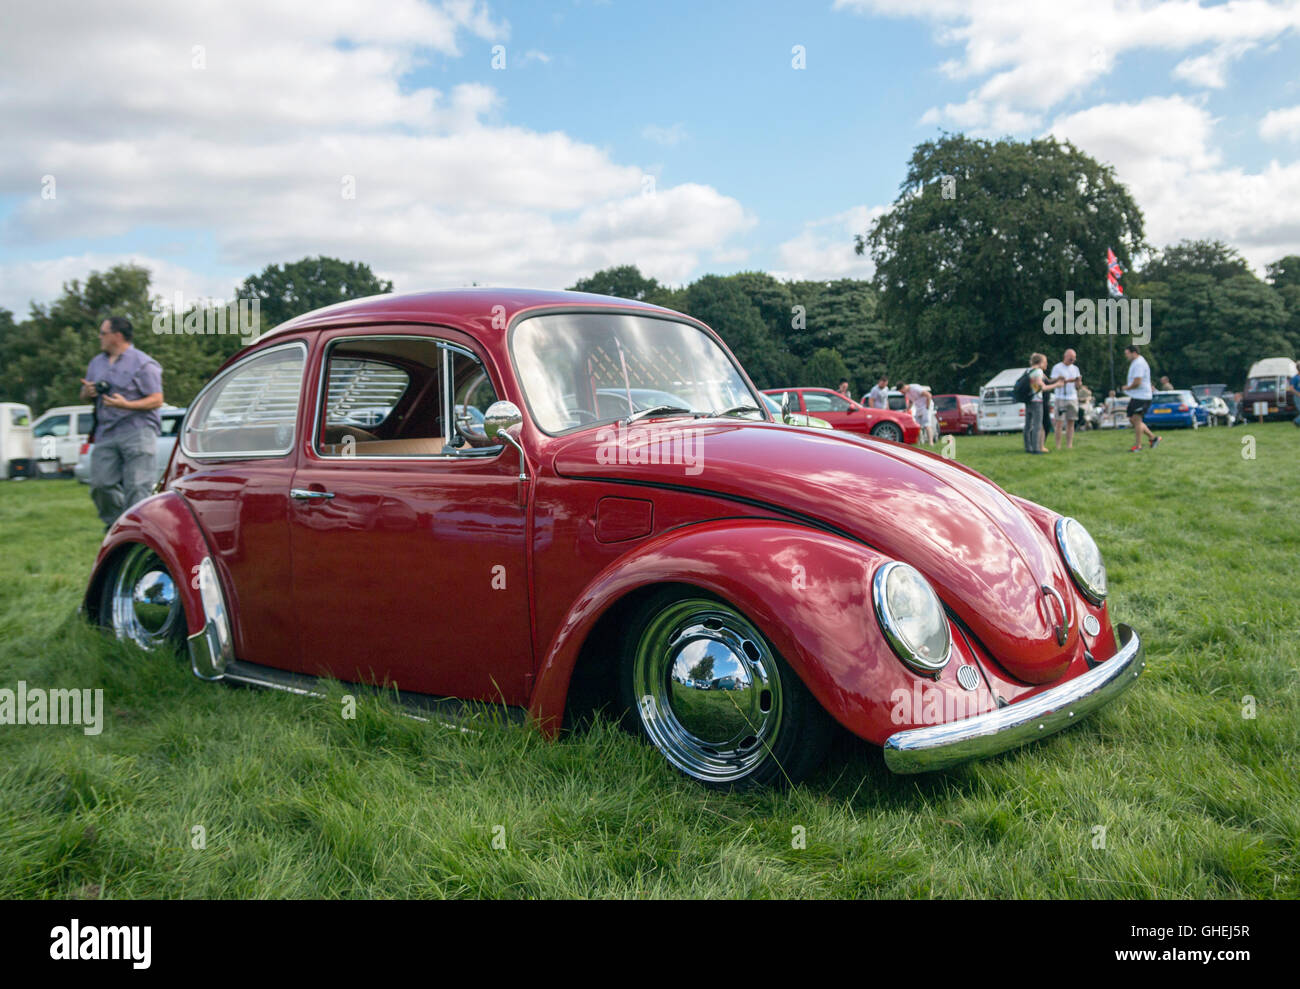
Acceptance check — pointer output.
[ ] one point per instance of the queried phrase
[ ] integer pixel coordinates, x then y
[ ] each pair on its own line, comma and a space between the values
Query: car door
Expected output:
835, 409
234, 470
409, 533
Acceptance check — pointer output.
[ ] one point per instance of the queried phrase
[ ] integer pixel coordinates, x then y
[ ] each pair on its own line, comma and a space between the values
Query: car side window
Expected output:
402, 396
53, 426
816, 401
250, 410
85, 422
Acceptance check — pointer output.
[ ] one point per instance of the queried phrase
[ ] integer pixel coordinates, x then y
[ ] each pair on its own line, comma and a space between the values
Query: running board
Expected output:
450, 711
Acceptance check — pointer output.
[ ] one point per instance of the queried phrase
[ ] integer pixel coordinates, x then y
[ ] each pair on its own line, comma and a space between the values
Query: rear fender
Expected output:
165, 524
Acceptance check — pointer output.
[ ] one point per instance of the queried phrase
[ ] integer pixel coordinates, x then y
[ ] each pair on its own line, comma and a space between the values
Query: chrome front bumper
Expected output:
921, 750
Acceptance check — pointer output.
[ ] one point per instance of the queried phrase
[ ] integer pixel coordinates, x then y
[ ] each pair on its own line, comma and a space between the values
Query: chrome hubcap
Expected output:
709, 693
145, 606
889, 432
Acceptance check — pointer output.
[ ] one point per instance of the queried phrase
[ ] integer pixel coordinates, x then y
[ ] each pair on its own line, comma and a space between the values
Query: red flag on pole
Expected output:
1113, 273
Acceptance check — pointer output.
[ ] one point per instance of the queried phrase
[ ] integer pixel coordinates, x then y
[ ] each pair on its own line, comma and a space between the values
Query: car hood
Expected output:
984, 556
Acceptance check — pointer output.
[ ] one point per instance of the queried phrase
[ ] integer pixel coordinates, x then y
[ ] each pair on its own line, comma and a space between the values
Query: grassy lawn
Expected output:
295, 801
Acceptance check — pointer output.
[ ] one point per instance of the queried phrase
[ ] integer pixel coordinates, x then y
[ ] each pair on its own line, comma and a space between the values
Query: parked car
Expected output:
846, 414
1266, 387
793, 417
170, 420
999, 410
1174, 410
957, 413
1217, 409
57, 437
15, 440
575, 560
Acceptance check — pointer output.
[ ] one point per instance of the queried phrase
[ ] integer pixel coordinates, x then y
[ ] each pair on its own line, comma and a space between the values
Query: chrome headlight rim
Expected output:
1085, 586
889, 625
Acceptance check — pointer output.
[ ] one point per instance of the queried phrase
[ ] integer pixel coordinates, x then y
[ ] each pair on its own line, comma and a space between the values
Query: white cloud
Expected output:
668, 136
256, 149
1163, 150
824, 248
1034, 56
1281, 125
24, 282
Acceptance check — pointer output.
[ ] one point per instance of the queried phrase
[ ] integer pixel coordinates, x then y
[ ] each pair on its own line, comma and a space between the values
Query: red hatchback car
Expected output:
846, 414
473, 495
957, 413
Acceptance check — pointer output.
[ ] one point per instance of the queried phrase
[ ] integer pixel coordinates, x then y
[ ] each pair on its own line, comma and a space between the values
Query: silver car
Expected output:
171, 428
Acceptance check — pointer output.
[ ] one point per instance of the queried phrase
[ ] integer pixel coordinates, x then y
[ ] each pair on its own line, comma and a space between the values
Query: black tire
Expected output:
705, 687
890, 431
139, 601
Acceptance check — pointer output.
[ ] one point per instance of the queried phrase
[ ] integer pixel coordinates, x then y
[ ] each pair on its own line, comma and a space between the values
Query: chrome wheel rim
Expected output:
888, 431
708, 691
145, 605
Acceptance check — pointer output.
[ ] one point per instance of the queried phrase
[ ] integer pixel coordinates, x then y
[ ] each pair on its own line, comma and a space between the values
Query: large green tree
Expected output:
981, 236
723, 304
1284, 276
1211, 315
291, 289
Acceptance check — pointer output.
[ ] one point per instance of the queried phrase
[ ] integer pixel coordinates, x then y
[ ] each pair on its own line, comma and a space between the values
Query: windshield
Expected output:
1262, 386
579, 368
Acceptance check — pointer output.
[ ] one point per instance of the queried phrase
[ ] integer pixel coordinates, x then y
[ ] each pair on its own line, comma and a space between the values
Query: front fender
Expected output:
807, 590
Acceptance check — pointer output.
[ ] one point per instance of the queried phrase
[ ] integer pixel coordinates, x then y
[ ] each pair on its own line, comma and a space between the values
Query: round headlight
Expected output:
912, 617
1083, 558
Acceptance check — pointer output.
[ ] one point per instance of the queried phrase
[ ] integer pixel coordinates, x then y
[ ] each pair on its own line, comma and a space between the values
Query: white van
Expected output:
58, 434
999, 410
15, 440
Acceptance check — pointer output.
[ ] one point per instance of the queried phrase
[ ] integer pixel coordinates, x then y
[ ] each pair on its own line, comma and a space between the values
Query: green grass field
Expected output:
1195, 799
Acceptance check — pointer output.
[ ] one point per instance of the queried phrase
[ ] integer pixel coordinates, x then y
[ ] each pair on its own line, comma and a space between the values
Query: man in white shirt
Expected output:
1067, 397
1138, 390
922, 407
878, 397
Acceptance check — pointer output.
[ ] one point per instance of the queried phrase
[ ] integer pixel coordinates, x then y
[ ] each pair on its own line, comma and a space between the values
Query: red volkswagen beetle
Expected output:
554, 501
846, 414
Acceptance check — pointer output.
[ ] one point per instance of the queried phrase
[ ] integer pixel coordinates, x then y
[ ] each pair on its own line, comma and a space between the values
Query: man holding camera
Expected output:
126, 384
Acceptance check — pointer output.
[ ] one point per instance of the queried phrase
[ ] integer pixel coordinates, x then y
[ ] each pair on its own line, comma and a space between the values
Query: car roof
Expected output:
1272, 365
485, 309
1008, 377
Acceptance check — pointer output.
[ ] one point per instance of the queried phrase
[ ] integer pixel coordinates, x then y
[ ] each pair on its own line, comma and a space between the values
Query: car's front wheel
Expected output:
707, 689
888, 431
141, 602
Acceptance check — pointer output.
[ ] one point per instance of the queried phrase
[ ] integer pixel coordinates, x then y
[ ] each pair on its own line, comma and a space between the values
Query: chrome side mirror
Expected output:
785, 408
499, 417
498, 420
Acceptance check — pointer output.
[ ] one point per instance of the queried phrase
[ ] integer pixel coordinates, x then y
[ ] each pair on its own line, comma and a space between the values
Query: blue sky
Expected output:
209, 141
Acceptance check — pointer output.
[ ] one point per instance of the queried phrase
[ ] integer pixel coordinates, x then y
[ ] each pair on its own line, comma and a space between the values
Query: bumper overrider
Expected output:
921, 750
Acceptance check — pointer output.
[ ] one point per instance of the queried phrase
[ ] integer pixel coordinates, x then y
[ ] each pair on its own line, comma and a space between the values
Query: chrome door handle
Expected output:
302, 494
1063, 631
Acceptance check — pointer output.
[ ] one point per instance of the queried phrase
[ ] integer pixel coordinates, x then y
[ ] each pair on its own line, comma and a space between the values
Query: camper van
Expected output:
58, 434
1266, 383
999, 411
15, 440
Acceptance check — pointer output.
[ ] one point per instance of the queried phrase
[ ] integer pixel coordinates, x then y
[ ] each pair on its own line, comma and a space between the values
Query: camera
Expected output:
101, 387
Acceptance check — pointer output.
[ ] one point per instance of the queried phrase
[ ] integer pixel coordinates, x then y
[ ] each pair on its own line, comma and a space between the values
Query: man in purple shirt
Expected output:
127, 424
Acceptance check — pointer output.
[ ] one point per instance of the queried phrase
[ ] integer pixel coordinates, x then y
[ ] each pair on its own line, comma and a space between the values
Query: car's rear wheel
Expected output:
141, 602
888, 431
708, 690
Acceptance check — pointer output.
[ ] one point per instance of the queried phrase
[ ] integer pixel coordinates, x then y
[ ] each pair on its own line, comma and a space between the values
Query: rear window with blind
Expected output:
362, 392
251, 410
